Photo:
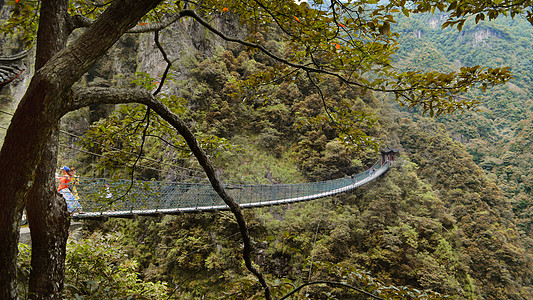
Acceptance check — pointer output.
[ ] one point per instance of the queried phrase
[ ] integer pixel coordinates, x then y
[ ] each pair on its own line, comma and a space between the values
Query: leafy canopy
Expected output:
350, 40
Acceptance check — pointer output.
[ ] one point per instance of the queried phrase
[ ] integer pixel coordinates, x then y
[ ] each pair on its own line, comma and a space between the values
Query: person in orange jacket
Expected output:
72, 203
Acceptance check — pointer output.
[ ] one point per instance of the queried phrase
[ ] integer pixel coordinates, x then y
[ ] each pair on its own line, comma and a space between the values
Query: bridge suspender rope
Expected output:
107, 198
120, 198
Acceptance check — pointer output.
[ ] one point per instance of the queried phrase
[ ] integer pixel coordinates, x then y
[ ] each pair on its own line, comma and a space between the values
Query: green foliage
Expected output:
353, 276
460, 11
258, 165
23, 21
479, 207
496, 135
97, 269
346, 37
121, 136
23, 269
436, 223
195, 254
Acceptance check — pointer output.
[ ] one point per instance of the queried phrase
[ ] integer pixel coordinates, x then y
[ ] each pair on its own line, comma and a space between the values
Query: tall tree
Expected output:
38, 113
347, 40
47, 216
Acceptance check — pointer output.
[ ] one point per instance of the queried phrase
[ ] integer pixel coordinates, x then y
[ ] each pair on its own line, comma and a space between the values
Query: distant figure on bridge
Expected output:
371, 171
108, 191
63, 188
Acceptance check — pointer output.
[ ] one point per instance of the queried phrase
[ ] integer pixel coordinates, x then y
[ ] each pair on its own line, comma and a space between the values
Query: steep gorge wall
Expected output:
11, 93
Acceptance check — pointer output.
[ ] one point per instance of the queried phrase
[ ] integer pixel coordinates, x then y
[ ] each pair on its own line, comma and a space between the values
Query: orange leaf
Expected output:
337, 46
342, 25
17, 1
143, 23
225, 9
156, 83
296, 18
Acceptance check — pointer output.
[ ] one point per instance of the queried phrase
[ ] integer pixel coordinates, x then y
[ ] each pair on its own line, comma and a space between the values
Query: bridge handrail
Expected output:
103, 197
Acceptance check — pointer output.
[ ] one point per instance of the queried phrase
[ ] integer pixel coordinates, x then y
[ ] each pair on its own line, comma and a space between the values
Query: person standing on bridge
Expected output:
63, 189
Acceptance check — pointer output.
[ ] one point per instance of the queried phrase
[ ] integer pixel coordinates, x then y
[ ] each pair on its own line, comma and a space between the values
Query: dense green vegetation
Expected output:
497, 134
435, 222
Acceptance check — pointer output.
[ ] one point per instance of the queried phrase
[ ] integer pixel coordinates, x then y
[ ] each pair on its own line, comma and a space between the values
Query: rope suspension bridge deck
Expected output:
101, 198
125, 198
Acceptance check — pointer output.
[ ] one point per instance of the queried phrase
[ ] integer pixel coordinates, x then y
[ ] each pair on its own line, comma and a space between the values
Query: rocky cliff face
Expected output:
436, 20
184, 42
480, 37
10, 94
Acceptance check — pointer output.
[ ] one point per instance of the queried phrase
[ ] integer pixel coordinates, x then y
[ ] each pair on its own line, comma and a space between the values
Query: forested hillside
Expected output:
497, 134
451, 219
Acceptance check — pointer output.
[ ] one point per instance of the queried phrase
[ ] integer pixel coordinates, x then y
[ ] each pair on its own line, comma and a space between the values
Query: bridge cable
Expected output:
121, 150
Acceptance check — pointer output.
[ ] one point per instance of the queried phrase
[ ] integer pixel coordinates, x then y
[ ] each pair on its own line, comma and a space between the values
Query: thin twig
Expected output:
334, 283
332, 120
234, 207
193, 14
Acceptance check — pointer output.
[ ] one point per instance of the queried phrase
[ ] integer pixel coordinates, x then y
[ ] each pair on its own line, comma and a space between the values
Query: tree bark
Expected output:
37, 115
23, 144
47, 214
49, 223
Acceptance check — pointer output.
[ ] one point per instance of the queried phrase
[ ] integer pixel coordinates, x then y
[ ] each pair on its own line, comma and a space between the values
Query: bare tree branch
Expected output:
90, 96
167, 60
146, 118
79, 21
333, 283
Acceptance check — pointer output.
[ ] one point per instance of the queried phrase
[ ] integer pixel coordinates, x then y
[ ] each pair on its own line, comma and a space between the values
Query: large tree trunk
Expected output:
49, 224
47, 214
37, 115
20, 155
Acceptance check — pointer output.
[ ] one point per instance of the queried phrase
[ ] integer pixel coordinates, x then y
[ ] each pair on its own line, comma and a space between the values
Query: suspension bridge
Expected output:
100, 197
126, 198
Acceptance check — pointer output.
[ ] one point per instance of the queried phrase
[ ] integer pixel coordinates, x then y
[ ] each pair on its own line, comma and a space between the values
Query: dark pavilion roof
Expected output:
390, 150
11, 67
